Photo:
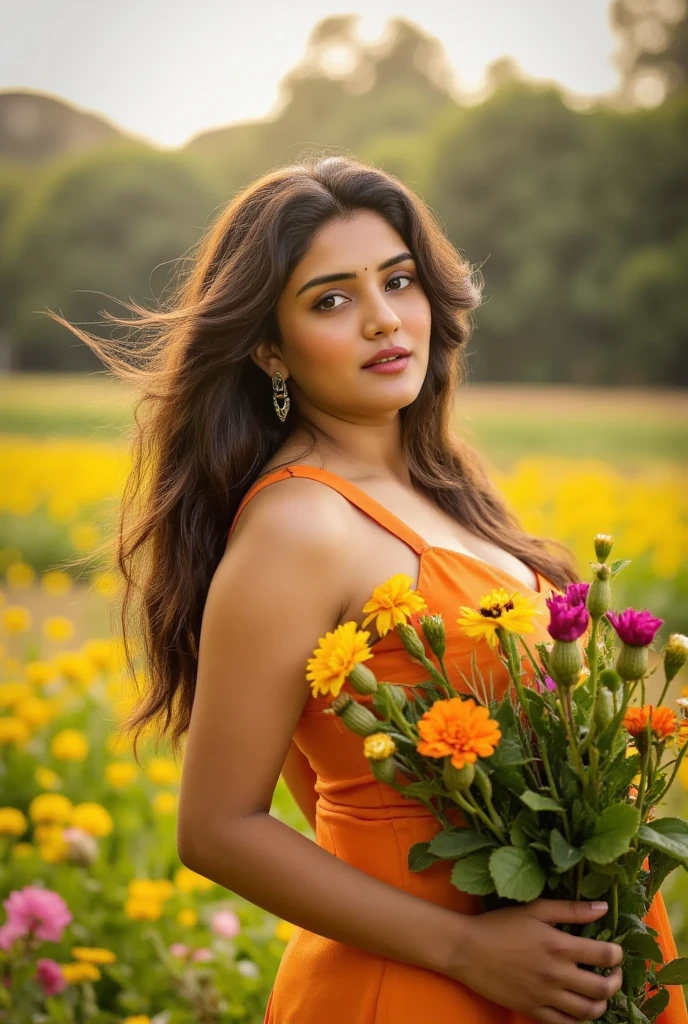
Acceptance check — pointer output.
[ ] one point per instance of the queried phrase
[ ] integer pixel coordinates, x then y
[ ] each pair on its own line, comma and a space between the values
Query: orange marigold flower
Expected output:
663, 722
459, 728
635, 719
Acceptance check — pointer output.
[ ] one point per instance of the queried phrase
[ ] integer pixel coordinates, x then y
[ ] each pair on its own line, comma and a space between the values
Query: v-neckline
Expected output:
407, 534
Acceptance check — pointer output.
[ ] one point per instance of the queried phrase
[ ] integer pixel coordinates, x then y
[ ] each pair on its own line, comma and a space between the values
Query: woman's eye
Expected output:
326, 298
398, 280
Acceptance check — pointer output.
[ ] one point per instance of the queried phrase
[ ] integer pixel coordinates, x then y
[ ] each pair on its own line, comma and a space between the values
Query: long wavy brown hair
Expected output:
205, 426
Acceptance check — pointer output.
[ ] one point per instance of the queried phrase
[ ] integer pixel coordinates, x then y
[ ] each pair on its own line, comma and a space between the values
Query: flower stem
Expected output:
472, 808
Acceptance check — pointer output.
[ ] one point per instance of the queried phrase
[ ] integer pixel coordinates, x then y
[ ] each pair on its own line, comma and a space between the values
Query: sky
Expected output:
167, 70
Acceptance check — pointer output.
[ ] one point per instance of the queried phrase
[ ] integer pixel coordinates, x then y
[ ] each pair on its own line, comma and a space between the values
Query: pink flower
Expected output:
637, 629
568, 619
202, 954
36, 911
225, 923
577, 593
549, 684
180, 950
50, 976
8, 933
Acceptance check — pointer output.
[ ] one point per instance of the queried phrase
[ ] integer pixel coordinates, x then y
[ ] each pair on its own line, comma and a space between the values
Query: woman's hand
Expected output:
517, 958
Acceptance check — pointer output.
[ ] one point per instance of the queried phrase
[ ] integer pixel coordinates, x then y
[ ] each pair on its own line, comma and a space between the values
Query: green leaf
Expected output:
656, 1004
517, 832
594, 885
472, 874
564, 855
636, 1016
643, 942
456, 844
669, 836
538, 802
674, 973
614, 829
419, 857
517, 873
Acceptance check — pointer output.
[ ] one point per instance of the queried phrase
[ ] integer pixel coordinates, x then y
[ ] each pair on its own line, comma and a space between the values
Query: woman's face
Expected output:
372, 301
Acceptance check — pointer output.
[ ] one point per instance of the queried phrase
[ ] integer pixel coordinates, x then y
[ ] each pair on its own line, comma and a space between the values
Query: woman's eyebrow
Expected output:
327, 278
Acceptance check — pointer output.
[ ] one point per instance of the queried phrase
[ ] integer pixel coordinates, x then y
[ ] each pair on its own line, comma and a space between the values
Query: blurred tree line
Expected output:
578, 220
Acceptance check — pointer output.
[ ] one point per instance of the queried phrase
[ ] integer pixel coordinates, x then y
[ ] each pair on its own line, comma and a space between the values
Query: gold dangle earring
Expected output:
279, 391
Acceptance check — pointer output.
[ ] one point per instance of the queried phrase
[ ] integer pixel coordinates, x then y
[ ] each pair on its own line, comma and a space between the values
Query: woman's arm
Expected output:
300, 779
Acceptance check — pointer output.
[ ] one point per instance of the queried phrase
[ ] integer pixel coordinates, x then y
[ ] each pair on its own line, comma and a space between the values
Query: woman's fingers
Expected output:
590, 985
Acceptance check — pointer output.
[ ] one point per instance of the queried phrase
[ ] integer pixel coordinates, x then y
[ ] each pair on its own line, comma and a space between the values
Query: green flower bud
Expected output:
411, 640
603, 546
675, 655
457, 778
381, 699
631, 663
362, 679
433, 631
340, 702
398, 694
384, 771
359, 719
604, 708
610, 679
599, 599
566, 662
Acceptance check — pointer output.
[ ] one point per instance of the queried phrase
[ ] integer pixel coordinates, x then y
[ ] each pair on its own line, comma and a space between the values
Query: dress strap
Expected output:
349, 491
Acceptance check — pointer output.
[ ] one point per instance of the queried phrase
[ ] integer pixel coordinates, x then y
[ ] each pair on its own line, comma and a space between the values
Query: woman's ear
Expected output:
267, 356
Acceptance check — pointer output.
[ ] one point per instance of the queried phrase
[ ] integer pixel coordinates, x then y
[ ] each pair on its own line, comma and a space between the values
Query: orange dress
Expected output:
372, 827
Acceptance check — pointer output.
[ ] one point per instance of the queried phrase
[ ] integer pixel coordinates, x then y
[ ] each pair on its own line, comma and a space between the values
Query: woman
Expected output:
282, 474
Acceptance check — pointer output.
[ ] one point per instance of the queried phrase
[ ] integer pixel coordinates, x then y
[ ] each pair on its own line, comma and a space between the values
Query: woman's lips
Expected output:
391, 366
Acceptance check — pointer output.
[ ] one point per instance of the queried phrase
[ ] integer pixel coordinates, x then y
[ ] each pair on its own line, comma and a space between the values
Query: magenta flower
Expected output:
548, 685
50, 976
576, 593
36, 911
637, 629
225, 923
568, 619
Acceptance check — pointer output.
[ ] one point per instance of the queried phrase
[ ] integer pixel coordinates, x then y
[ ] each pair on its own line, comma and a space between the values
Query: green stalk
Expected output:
591, 652
472, 808
677, 765
644, 766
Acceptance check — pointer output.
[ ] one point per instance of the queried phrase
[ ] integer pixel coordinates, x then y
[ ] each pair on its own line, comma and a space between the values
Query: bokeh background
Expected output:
552, 142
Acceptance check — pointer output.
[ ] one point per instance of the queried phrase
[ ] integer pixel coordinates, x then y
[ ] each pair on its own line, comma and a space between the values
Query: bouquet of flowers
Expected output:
558, 780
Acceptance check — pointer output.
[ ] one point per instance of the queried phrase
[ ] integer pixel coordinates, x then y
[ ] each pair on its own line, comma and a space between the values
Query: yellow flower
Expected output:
138, 909
20, 575
139, 1018
69, 745
93, 955
75, 668
52, 847
52, 808
92, 818
40, 672
630, 751
12, 822
119, 774
378, 746
16, 618
187, 917
683, 773
76, 973
105, 584
334, 658
104, 654
13, 730
35, 712
162, 771
47, 831
46, 778
165, 803
682, 733
392, 602
56, 583
187, 880
159, 889
58, 627
284, 930
498, 608
12, 693
22, 850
